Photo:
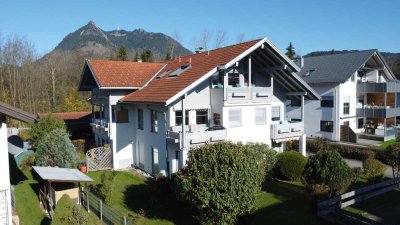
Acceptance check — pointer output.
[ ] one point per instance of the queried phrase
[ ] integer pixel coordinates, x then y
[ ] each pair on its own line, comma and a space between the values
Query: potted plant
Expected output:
82, 167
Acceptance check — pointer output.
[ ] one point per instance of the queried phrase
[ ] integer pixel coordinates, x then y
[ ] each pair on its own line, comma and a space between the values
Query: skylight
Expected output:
180, 70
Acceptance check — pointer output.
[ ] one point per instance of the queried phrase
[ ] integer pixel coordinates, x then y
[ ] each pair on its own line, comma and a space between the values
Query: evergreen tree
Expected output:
147, 56
135, 59
122, 53
333, 52
290, 51
168, 56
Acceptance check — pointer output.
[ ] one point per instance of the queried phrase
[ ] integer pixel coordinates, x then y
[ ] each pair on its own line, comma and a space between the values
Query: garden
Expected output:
223, 183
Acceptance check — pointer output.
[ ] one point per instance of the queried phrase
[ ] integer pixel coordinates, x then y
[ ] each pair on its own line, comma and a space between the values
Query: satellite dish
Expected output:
15, 145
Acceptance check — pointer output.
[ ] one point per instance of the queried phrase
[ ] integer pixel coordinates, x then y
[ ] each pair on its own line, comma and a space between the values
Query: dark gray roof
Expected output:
335, 68
16, 113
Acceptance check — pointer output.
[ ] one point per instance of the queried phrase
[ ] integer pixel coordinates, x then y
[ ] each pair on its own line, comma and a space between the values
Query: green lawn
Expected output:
385, 144
28, 207
285, 203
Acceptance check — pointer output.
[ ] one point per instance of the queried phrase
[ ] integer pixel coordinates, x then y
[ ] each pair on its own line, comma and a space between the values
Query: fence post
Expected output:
124, 220
87, 200
101, 210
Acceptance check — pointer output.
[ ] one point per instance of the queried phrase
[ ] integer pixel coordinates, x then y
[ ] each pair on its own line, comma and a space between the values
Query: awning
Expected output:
57, 174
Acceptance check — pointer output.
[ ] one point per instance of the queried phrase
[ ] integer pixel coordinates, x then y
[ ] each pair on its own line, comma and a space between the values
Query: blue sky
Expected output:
310, 25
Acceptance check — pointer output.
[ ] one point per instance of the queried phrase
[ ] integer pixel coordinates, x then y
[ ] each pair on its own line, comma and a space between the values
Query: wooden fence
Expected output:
331, 208
105, 213
99, 159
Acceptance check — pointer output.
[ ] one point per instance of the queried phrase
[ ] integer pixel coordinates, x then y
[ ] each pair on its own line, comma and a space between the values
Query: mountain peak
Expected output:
91, 23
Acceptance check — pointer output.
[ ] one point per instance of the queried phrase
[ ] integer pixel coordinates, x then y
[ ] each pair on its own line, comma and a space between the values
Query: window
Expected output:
346, 123
261, 116
154, 122
327, 101
295, 102
326, 126
202, 116
122, 116
276, 113
346, 108
233, 79
360, 124
155, 160
140, 119
178, 118
180, 70
346, 105
235, 118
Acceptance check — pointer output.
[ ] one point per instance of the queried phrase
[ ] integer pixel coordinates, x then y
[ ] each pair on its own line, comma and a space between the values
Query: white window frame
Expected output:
154, 121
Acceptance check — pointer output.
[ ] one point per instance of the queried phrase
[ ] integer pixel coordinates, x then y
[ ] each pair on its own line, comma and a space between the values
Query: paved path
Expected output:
358, 163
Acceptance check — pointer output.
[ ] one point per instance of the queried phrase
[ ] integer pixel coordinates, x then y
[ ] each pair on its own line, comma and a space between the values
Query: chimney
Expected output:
299, 61
199, 50
139, 59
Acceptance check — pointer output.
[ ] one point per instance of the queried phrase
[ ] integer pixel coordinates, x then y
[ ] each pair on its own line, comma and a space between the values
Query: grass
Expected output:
385, 144
383, 208
285, 203
28, 208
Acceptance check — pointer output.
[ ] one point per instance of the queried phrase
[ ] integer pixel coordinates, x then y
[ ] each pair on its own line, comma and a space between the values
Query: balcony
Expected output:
100, 125
196, 135
286, 130
365, 87
377, 112
247, 94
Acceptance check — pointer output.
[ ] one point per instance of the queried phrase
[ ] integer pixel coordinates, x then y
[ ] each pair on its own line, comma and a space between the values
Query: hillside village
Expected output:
130, 127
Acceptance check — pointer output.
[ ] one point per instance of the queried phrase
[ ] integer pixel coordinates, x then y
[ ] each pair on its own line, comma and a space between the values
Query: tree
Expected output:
167, 56
147, 56
291, 164
290, 51
328, 168
221, 38
72, 103
122, 54
221, 181
56, 149
241, 37
392, 157
45, 125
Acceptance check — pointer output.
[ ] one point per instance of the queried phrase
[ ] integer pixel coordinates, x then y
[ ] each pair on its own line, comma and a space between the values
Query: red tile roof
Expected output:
160, 90
69, 115
122, 73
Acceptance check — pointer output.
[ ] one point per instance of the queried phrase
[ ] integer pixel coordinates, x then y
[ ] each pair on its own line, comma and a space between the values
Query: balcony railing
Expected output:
285, 130
100, 124
365, 87
198, 136
378, 112
247, 94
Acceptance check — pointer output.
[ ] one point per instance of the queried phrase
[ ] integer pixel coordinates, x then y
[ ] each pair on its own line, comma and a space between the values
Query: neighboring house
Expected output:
151, 114
77, 123
359, 97
5, 192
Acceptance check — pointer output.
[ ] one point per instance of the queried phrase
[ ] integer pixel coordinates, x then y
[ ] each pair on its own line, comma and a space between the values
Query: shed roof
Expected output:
61, 174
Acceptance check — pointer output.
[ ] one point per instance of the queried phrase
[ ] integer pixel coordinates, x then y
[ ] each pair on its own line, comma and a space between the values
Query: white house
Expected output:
359, 97
5, 192
152, 114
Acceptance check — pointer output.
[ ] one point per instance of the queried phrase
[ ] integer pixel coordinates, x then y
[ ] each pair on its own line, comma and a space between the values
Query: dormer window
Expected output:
180, 70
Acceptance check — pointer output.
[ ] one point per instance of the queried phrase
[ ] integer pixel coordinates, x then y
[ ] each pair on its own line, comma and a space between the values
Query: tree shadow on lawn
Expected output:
385, 206
284, 203
157, 204
16, 175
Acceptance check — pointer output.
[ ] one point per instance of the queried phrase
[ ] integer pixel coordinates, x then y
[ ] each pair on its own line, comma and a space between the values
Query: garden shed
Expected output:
55, 182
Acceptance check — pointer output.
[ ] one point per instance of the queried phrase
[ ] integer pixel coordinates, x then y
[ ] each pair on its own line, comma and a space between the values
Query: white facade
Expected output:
5, 195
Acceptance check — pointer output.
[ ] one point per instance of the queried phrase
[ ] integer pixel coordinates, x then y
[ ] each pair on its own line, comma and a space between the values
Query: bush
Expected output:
44, 126
222, 180
24, 134
391, 156
374, 170
28, 161
67, 212
318, 144
357, 172
291, 164
80, 145
55, 149
328, 168
105, 188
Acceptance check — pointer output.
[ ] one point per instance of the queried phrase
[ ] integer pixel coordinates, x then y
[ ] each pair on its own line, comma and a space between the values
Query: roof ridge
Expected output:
343, 53
216, 49
109, 60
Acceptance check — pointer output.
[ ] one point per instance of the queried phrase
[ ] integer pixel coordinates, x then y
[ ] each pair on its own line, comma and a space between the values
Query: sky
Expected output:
309, 24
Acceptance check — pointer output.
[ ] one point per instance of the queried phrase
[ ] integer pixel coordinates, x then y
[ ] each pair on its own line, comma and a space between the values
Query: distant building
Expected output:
359, 97
152, 114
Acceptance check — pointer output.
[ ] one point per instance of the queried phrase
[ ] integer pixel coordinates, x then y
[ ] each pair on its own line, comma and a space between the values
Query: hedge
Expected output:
291, 164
